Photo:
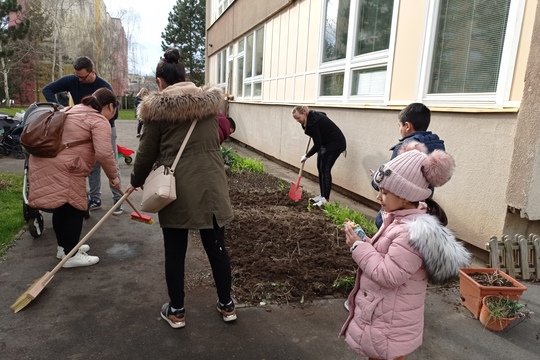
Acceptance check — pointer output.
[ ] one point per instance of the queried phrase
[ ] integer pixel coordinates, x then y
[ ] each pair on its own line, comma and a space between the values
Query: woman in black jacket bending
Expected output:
328, 142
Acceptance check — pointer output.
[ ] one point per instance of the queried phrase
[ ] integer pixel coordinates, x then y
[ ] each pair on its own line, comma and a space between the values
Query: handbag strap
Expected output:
183, 145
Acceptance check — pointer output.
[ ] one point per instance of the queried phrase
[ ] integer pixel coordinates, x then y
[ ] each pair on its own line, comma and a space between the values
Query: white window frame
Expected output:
351, 63
224, 66
219, 7
241, 58
500, 97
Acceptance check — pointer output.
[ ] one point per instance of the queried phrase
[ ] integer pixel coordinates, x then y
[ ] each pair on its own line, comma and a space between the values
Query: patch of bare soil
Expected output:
280, 251
494, 279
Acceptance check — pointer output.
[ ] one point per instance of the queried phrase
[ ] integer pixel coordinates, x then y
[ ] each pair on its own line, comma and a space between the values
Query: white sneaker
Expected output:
321, 202
346, 305
316, 198
81, 259
60, 254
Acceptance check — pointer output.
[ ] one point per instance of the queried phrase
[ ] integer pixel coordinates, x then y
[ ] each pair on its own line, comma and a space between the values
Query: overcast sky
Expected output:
153, 16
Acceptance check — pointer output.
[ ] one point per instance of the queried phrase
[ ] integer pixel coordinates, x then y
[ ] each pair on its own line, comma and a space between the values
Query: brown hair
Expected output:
100, 98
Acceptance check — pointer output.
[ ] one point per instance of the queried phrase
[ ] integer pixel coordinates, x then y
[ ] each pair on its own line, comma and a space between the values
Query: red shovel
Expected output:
295, 192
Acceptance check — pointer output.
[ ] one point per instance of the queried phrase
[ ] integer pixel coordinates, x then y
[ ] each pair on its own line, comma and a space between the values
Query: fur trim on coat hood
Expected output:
443, 255
181, 102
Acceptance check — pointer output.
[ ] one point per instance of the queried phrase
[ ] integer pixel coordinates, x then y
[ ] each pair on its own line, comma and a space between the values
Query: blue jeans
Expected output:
94, 179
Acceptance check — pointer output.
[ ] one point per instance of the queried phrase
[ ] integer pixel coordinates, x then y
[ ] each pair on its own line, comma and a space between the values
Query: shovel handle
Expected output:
302, 166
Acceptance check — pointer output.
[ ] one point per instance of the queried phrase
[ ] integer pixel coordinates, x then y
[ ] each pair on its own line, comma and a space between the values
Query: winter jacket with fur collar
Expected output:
386, 318
201, 184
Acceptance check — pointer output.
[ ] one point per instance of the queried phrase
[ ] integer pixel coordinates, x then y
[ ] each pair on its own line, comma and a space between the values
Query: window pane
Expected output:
257, 89
332, 84
229, 77
336, 29
219, 68
249, 56
247, 90
369, 81
259, 52
374, 25
468, 46
241, 46
240, 76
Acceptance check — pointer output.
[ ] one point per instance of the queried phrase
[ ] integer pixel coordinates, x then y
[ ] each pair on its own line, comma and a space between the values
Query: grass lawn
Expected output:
11, 213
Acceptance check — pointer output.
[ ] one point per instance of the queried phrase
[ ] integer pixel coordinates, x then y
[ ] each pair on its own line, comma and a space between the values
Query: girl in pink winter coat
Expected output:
386, 318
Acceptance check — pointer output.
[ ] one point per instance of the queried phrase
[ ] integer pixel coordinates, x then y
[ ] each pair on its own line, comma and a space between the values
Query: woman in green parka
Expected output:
201, 184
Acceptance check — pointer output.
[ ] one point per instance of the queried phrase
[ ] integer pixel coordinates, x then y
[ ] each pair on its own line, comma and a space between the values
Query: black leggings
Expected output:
67, 224
176, 241
325, 162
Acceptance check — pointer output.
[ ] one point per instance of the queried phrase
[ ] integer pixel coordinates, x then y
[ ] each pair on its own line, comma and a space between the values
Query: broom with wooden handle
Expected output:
40, 284
136, 214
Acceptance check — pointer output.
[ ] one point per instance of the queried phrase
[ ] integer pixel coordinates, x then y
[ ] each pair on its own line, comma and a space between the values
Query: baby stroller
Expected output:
32, 216
10, 140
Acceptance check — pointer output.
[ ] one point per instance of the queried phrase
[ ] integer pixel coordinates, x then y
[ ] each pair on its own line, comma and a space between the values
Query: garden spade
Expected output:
295, 192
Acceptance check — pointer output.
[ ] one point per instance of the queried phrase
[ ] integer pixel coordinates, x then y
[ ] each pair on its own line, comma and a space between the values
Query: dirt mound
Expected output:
280, 250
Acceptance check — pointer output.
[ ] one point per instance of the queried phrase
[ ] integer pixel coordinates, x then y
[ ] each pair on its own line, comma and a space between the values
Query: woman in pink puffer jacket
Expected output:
59, 184
386, 319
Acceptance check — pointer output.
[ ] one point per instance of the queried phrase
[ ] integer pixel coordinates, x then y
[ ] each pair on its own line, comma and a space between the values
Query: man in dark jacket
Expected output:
413, 123
328, 142
82, 83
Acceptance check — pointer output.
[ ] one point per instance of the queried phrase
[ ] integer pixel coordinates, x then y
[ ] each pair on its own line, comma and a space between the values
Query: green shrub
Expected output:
238, 163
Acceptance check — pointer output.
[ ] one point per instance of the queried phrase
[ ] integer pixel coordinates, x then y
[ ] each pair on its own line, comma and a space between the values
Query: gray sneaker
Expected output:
119, 210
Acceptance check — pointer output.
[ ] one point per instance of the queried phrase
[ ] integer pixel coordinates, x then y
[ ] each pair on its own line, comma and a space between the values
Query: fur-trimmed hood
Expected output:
181, 102
443, 255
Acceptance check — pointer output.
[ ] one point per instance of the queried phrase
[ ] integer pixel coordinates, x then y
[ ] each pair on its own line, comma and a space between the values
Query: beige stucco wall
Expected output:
481, 140
475, 197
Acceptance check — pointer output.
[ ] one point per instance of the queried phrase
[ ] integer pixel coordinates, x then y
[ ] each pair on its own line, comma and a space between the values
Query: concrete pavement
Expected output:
111, 310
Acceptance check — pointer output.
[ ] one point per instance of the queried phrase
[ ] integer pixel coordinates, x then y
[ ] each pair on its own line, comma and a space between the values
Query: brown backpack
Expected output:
42, 135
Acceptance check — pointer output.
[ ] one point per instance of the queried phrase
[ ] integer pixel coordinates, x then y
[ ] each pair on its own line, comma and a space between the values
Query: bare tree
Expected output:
131, 21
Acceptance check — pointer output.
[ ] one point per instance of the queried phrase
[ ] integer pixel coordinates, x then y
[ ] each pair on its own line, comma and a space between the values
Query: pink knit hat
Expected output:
409, 174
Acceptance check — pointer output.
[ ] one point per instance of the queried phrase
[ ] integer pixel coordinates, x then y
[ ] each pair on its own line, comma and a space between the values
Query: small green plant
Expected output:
502, 308
247, 164
346, 283
238, 163
339, 214
229, 157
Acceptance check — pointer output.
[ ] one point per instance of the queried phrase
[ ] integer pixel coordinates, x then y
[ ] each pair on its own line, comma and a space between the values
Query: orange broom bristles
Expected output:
142, 218
136, 215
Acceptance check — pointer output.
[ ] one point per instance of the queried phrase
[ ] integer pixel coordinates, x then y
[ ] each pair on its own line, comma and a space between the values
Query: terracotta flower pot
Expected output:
472, 292
490, 322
